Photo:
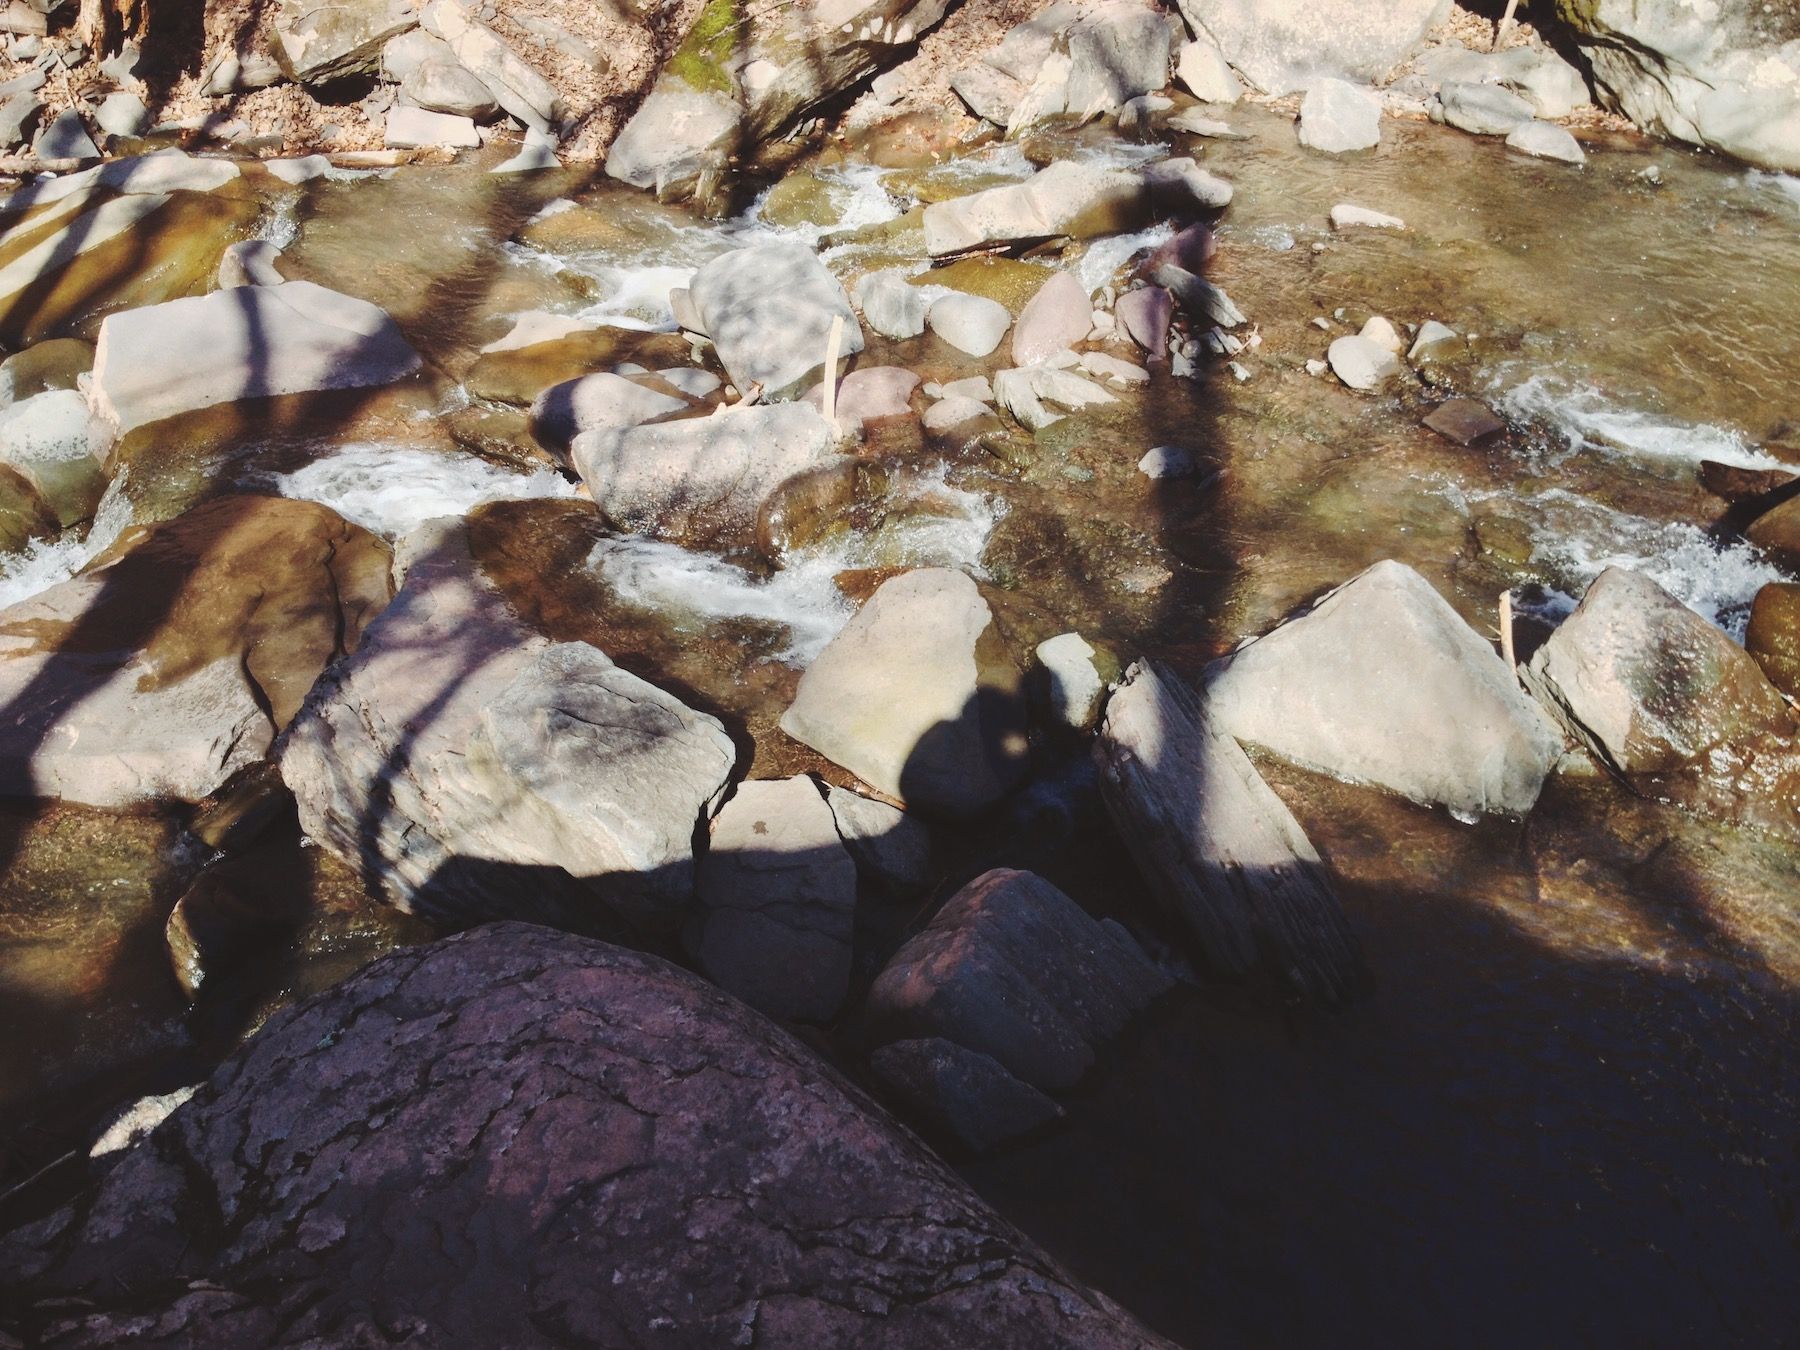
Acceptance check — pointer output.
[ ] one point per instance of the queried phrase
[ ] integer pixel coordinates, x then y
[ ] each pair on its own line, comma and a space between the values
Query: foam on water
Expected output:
391, 490
697, 590
1586, 419
38, 566
1104, 257
1576, 539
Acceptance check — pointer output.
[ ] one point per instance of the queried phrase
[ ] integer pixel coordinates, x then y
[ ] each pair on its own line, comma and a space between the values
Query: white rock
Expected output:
891, 305
1382, 682
1284, 46
249, 342
250, 262
1362, 363
122, 113
1074, 687
1337, 117
1382, 332
1112, 368
1434, 342
446, 87
1068, 197
301, 170
1546, 140
769, 309
972, 324
591, 402
1205, 73
952, 412
1484, 109
1344, 216
408, 128
1166, 461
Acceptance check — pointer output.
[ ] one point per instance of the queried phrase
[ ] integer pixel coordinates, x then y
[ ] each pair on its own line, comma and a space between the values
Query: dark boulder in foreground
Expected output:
518, 1137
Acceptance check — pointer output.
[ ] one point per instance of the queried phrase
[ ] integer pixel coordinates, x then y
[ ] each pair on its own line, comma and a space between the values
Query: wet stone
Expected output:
1464, 421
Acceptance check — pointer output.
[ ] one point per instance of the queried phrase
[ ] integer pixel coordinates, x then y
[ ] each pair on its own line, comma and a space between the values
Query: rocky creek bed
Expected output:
1160, 706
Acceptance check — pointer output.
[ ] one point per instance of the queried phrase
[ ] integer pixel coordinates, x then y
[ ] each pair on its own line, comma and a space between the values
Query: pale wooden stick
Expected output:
831, 353
1506, 23
1506, 632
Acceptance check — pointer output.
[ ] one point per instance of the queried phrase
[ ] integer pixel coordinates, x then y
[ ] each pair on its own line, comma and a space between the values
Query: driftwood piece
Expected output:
1216, 843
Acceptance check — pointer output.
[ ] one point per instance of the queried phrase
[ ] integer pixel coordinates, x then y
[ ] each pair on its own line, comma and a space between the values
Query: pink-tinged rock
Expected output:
1146, 314
868, 395
1192, 251
1053, 320
520, 1137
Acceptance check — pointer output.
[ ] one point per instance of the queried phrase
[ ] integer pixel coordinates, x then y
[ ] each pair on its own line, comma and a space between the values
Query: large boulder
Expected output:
473, 769
1773, 635
518, 1137
173, 660
245, 342
769, 311
1724, 73
1669, 702
1382, 682
1013, 968
777, 901
701, 480
1117, 51
1067, 198
742, 76
1221, 851
1281, 46
317, 43
918, 697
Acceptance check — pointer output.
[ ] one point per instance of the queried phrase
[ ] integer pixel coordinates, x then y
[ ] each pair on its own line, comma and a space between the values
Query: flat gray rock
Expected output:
769, 310
1284, 46
1338, 117
1484, 109
317, 43
1546, 140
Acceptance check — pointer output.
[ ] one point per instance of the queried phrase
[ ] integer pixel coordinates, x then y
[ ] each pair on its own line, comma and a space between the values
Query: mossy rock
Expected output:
53, 364
703, 57
519, 376
1773, 637
1006, 280
803, 199
24, 514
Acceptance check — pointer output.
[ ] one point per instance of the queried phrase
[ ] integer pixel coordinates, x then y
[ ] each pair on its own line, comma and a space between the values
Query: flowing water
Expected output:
1568, 1111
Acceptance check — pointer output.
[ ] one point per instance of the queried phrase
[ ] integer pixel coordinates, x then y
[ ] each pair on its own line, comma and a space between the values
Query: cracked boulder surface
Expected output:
174, 658
520, 1137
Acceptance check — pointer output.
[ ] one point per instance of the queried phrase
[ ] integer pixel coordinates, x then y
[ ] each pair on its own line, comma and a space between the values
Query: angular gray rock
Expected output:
1382, 682
951, 1091
1723, 74
701, 481
445, 86
409, 128
1116, 51
678, 135
1222, 852
777, 902
1646, 684
1338, 117
317, 43
122, 113
769, 310
519, 1137
1282, 46
1484, 109
1014, 969
1073, 683
990, 94
248, 342
515, 84
65, 137
918, 698
471, 769
1202, 70
891, 847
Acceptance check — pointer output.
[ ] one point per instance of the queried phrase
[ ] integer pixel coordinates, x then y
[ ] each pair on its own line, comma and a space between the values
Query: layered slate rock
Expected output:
1724, 74
769, 311
918, 698
515, 84
172, 662
316, 42
701, 481
246, 342
473, 769
1669, 702
1013, 968
1222, 852
777, 901
1382, 682
518, 1137
742, 76
1282, 46
1067, 198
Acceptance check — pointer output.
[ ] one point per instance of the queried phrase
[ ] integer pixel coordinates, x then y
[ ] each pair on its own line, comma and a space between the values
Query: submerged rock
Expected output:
917, 697
1724, 74
777, 902
1382, 682
1338, 117
1464, 421
1282, 46
56, 363
1013, 969
1346, 216
769, 311
701, 481
24, 514
248, 342
1220, 849
472, 769
175, 658
572, 1111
